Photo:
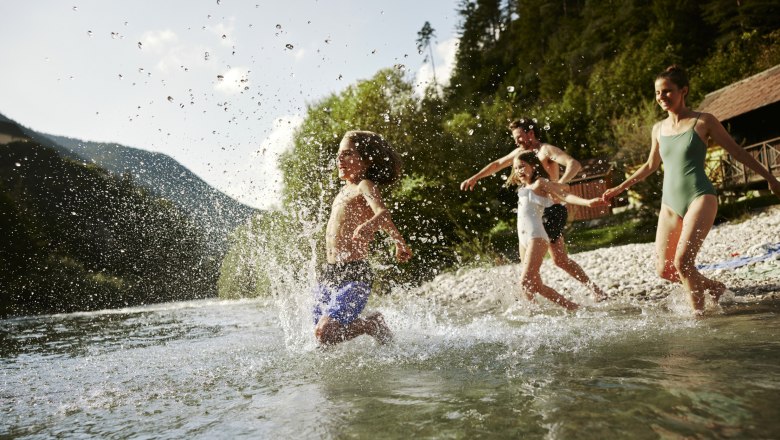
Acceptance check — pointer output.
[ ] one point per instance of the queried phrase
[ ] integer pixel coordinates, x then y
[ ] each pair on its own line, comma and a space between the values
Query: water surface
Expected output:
233, 369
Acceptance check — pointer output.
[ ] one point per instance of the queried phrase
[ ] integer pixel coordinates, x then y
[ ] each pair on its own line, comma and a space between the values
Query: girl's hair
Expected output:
675, 74
384, 164
532, 159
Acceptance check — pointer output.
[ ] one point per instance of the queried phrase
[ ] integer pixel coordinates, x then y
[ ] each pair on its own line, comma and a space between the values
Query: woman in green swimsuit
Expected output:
689, 201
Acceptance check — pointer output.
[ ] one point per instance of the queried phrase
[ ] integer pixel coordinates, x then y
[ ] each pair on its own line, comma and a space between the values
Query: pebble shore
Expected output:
628, 271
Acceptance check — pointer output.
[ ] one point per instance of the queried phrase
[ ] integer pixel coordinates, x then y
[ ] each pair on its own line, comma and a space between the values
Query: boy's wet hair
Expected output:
384, 164
532, 159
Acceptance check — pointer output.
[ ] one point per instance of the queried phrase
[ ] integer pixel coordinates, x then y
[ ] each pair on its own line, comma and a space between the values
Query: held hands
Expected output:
597, 203
612, 192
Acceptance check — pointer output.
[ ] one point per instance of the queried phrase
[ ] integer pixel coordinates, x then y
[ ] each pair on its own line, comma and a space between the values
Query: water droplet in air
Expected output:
170, 98
220, 77
471, 131
546, 127
75, 8
510, 89
89, 33
289, 46
219, 1
206, 56
18, 164
140, 45
224, 36
114, 35
278, 26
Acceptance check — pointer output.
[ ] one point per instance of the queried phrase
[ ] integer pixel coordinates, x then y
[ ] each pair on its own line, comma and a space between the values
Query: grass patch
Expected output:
639, 226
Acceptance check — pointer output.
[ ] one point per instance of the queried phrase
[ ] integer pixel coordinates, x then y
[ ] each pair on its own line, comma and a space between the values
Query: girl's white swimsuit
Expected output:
530, 208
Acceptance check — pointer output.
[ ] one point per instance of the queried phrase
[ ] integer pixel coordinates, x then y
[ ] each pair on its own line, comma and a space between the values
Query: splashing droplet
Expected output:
220, 77
206, 56
140, 45
289, 46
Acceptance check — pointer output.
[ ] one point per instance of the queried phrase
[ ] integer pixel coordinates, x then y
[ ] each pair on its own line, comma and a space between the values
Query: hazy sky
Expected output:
219, 85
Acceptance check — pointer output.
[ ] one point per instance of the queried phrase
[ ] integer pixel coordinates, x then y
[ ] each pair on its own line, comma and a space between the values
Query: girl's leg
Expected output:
562, 259
531, 280
696, 225
667, 236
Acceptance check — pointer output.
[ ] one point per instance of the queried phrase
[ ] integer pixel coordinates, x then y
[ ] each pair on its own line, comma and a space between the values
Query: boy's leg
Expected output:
329, 331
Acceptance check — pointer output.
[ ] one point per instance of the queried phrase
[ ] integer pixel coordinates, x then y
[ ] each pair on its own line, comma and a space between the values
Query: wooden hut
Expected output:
750, 111
593, 179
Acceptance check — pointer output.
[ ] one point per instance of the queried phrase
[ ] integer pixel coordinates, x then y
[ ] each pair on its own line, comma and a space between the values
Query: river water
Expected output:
250, 369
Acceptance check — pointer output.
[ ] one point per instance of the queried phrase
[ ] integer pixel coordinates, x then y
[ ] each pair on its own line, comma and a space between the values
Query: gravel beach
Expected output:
627, 272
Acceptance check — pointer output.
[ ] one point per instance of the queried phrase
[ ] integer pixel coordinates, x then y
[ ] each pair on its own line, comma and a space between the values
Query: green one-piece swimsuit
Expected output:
684, 177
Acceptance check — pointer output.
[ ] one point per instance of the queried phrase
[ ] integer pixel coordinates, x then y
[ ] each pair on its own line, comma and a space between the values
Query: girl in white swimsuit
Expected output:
535, 193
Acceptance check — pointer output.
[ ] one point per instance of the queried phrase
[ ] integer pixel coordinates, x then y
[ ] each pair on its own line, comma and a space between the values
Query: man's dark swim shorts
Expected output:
342, 291
554, 220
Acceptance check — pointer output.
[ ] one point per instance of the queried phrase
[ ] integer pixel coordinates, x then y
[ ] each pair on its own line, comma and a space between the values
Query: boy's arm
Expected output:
490, 169
561, 157
381, 220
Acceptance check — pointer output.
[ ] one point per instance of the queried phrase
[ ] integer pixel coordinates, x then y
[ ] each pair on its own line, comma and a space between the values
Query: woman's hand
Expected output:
612, 192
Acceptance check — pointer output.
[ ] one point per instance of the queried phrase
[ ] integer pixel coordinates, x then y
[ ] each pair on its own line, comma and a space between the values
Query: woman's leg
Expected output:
531, 279
667, 236
696, 225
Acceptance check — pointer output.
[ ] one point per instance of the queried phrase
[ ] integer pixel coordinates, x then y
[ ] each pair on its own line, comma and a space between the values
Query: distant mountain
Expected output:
164, 177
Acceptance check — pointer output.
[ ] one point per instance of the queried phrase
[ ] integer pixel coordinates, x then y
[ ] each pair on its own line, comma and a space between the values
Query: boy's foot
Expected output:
381, 331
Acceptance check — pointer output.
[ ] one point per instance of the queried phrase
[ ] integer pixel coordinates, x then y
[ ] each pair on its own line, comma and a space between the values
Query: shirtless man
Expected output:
364, 161
551, 157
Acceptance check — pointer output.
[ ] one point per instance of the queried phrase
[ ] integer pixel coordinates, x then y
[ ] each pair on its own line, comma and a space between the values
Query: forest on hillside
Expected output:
79, 238
583, 69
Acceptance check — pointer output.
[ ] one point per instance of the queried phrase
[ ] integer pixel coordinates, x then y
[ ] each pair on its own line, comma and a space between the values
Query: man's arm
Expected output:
562, 158
490, 169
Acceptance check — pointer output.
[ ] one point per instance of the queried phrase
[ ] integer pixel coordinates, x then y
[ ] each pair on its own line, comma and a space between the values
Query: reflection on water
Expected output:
214, 369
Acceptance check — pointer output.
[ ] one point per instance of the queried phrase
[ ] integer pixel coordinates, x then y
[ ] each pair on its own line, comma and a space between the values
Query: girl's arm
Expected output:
490, 169
381, 220
720, 136
561, 191
649, 167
